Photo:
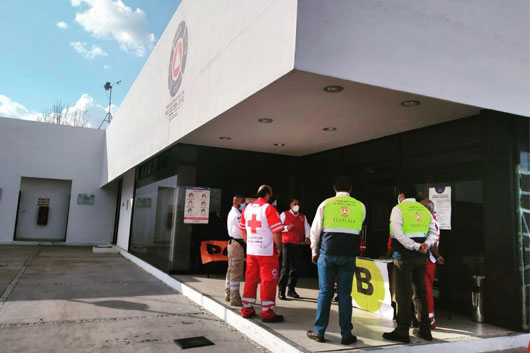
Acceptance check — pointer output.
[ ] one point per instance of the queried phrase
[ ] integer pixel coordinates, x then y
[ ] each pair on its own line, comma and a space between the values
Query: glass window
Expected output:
153, 221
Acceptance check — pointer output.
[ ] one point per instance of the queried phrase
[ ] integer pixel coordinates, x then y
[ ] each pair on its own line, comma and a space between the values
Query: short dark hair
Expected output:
264, 190
293, 199
342, 183
407, 189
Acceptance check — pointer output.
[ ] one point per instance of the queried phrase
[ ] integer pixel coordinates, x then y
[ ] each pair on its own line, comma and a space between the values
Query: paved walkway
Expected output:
299, 315
67, 299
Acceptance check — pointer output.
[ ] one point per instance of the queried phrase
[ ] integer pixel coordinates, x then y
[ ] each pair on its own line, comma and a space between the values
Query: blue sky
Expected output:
65, 50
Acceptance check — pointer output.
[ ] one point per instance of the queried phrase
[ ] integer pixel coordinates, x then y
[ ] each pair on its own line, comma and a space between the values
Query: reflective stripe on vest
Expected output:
416, 219
343, 214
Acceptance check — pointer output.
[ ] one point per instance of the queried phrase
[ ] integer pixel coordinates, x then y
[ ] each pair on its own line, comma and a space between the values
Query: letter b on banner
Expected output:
368, 288
363, 278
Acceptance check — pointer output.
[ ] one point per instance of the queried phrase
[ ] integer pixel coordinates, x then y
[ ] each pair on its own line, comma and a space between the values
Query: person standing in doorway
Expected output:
296, 232
236, 252
413, 231
335, 237
261, 228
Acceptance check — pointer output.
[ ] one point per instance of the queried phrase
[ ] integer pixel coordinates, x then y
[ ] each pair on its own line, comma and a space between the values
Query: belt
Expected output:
240, 241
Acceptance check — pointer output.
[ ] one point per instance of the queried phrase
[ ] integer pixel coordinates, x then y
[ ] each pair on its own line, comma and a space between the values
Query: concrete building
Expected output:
291, 93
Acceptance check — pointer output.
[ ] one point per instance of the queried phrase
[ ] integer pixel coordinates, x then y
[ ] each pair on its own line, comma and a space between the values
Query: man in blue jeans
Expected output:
335, 237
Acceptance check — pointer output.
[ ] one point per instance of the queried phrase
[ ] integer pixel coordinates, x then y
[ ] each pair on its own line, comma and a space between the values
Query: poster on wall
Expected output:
196, 205
441, 197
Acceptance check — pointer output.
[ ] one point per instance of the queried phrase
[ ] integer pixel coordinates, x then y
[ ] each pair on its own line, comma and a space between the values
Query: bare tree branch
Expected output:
60, 115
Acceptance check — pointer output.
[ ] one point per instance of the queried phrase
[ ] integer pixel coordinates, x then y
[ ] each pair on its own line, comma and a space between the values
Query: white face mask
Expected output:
296, 208
398, 201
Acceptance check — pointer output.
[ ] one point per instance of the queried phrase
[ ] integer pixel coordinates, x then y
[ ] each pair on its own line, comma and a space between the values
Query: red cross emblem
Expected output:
418, 217
254, 224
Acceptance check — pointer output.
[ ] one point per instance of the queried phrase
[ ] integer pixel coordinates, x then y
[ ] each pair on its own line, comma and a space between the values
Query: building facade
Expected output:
292, 93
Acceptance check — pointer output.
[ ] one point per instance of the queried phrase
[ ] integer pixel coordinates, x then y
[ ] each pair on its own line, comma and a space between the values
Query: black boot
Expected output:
281, 294
291, 293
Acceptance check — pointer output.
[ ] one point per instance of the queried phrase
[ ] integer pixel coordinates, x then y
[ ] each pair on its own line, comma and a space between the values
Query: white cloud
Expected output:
95, 113
11, 109
112, 19
62, 25
91, 53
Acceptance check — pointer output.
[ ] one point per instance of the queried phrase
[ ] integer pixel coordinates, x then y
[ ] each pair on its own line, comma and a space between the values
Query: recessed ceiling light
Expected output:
410, 103
333, 89
279, 144
225, 138
329, 128
265, 120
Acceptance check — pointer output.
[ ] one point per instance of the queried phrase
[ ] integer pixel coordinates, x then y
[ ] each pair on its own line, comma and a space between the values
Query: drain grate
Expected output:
193, 342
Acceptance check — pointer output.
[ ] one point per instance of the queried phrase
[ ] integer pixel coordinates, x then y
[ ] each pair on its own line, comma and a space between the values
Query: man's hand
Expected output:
424, 247
307, 241
314, 259
440, 260
278, 243
290, 226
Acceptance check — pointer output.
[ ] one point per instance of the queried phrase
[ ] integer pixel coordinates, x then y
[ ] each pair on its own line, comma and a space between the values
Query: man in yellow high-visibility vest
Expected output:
413, 231
335, 237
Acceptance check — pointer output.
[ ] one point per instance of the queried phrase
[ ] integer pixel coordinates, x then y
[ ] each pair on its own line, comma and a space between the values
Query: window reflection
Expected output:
153, 221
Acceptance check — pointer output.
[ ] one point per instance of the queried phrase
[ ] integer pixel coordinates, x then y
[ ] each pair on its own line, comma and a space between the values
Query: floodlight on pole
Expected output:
108, 87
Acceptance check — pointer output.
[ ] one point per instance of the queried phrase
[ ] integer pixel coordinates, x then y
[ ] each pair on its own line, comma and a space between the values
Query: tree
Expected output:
60, 115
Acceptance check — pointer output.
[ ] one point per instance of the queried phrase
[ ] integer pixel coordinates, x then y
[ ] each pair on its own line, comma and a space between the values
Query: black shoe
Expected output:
425, 335
277, 318
291, 293
394, 336
312, 335
282, 296
349, 340
336, 299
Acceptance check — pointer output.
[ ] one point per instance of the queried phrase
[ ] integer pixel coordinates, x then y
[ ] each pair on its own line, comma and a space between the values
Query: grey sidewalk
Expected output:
67, 299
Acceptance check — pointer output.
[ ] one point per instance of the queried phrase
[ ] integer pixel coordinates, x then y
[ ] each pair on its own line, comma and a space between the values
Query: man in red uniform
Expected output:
430, 268
261, 228
296, 232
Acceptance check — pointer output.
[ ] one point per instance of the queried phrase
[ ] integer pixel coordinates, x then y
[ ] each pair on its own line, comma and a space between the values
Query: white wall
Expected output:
58, 192
234, 49
124, 224
474, 52
40, 150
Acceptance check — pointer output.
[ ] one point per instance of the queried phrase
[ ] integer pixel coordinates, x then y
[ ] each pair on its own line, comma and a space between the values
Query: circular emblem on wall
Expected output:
177, 59
344, 211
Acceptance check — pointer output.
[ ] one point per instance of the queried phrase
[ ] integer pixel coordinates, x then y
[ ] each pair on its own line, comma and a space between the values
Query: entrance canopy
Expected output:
296, 116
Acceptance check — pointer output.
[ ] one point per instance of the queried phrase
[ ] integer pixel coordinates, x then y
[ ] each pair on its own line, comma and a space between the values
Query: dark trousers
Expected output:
290, 259
409, 278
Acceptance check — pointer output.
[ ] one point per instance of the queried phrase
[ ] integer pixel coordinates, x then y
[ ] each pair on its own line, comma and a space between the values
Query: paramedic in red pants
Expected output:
434, 257
261, 228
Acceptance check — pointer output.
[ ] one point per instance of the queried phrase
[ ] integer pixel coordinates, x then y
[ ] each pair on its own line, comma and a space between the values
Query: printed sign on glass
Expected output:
441, 197
196, 205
